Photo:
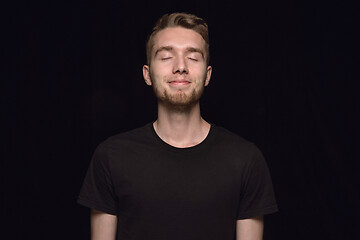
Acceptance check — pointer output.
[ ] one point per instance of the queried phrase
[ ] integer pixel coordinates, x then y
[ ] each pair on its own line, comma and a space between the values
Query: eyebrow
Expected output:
188, 49
164, 48
198, 50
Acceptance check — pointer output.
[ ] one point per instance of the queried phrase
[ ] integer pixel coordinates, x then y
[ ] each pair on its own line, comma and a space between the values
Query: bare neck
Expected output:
181, 129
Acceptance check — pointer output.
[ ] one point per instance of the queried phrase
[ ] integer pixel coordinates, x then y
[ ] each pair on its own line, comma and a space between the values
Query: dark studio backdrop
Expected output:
284, 77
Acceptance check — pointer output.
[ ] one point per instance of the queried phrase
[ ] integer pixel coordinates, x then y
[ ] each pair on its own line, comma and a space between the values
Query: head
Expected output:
178, 56
184, 20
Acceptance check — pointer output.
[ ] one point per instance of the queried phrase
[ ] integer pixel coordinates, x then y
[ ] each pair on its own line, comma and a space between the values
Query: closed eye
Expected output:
193, 59
165, 58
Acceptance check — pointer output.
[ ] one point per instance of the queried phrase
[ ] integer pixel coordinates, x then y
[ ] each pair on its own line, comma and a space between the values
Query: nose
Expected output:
180, 66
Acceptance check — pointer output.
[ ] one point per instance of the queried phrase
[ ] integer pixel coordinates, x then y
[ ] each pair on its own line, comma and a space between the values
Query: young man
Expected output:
178, 177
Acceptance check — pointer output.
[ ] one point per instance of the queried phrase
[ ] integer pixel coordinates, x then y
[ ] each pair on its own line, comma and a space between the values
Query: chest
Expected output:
165, 182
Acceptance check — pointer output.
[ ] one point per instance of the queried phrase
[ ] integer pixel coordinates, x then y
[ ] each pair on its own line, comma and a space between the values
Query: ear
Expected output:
146, 75
208, 75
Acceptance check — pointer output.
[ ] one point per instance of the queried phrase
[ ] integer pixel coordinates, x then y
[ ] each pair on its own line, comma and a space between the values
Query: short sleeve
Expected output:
97, 191
257, 194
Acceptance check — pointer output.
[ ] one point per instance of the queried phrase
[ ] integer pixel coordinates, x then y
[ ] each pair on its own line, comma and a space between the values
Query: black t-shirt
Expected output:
162, 192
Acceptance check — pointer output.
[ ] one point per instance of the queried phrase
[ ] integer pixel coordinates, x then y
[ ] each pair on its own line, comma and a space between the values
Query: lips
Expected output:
179, 82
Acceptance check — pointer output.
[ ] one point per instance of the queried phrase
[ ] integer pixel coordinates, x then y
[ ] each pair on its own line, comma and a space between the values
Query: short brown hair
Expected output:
185, 20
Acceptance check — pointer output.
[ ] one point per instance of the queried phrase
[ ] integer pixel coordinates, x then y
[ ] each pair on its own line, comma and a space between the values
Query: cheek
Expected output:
157, 78
199, 73
159, 70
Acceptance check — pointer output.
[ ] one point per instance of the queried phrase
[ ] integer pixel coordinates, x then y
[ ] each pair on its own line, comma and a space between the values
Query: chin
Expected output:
180, 102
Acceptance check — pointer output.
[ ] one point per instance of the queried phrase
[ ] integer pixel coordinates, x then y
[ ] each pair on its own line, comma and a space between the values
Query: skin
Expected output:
178, 70
103, 225
250, 229
178, 73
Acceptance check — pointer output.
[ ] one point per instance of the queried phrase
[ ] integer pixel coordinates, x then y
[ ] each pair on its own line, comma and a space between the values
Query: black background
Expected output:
283, 77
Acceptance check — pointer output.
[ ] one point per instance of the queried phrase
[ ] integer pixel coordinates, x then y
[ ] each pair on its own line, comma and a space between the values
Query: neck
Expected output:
181, 129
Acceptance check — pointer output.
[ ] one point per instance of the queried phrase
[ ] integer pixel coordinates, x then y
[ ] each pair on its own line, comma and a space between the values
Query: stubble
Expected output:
178, 101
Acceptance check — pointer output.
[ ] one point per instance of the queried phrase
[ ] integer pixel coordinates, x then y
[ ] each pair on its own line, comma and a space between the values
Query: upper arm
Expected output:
257, 196
103, 225
250, 229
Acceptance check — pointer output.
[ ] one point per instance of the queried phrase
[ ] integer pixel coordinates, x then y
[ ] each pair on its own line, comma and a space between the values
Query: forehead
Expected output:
178, 37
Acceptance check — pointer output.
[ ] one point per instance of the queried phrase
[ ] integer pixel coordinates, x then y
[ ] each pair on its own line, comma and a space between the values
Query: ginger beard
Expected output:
177, 100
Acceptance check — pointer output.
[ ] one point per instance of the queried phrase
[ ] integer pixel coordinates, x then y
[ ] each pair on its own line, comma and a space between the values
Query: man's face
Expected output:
178, 71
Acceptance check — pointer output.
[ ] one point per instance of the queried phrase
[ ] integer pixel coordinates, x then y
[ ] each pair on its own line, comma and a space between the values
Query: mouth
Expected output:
180, 82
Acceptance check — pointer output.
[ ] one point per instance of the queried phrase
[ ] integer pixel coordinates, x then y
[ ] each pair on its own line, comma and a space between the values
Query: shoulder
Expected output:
235, 144
228, 137
134, 137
